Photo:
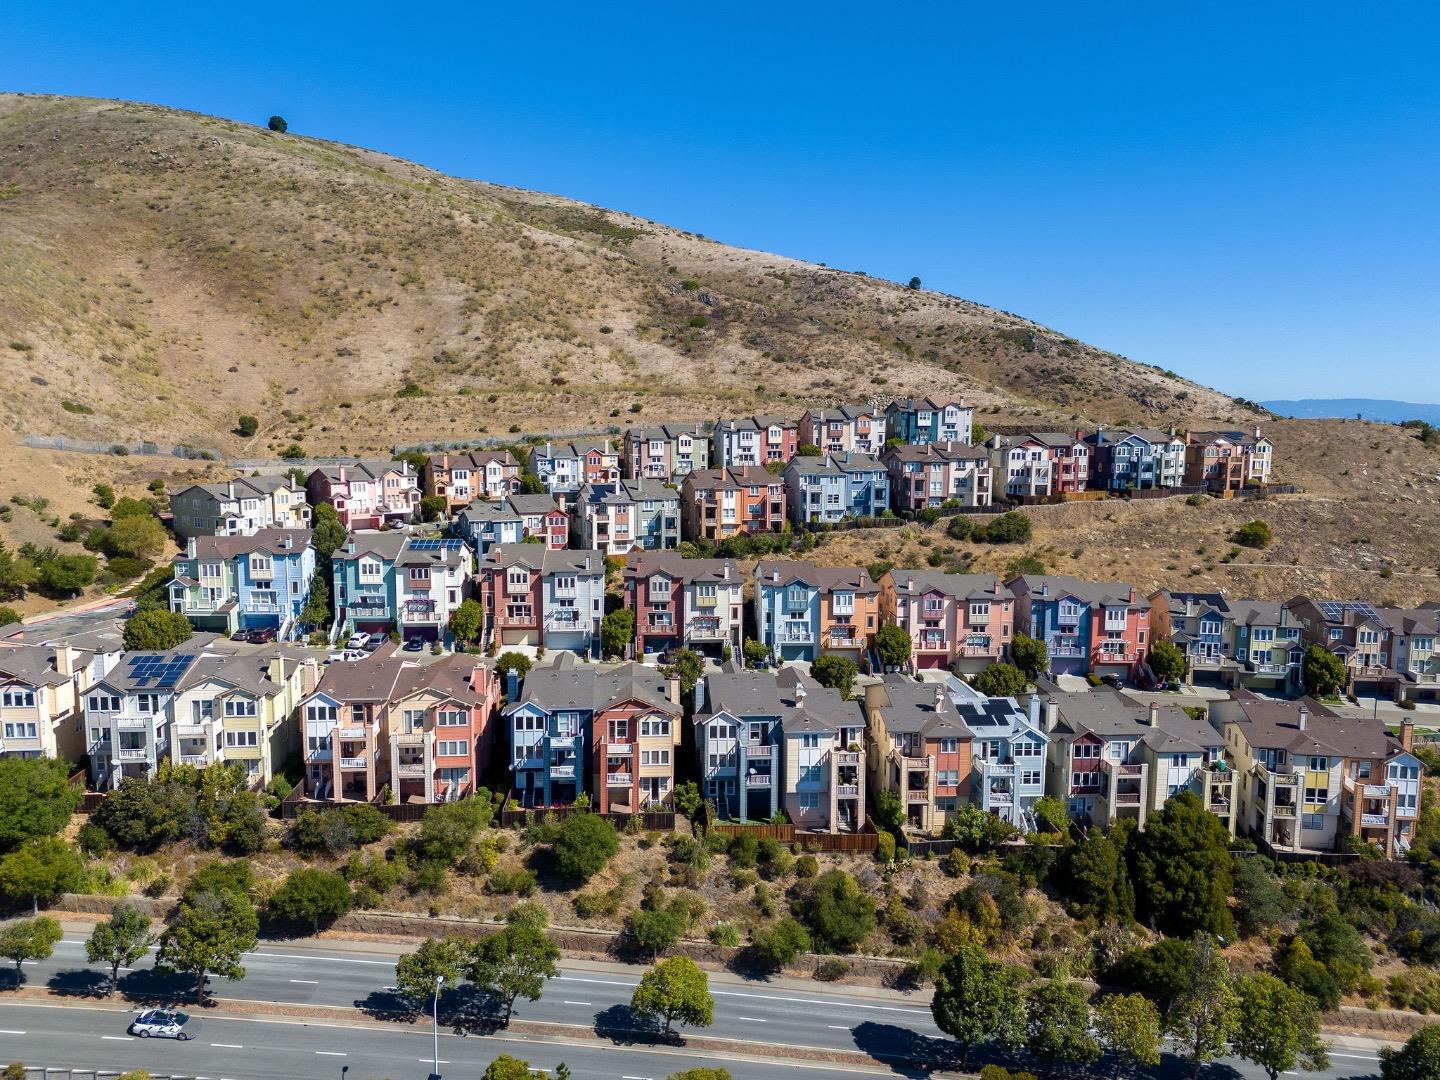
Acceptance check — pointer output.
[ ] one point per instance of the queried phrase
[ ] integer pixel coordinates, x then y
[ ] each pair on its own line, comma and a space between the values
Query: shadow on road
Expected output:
388, 1004
907, 1052
150, 987
79, 982
621, 1026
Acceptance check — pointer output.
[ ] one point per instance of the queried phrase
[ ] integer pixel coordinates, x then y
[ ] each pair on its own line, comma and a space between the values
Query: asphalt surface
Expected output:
90, 1031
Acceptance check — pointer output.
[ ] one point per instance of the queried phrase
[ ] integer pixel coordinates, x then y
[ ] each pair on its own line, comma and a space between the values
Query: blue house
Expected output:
363, 582
1008, 752
484, 524
739, 743
920, 421
803, 611
232, 583
1135, 460
1099, 626
831, 489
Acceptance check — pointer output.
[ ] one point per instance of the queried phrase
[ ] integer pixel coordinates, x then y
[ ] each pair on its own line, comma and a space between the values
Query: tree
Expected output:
584, 843
506, 1067
466, 620
8, 616
1277, 1027
530, 484
120, 941
808, 449
1167, 661
674, 989
1253, 534
779, 945
755, 652
1323, 672
104, 495
156, 630
247, 426
1418, 1059
327, 532
1057, 1024
1030, 655
617, 630
1000, 680
703, 1073
1161, 972
687, 667
1260, 902
135, 538
212, 930
1097, 880
41, 868
977, 830
1051, 815
655, 929
68, 573
277, 123
29, 939
1182, 869
1202, 1014
432, 507
513, 964
839, 913
913, 283
316, 611
513, 661
836, 672
1011, 527
1128, 1027
313, 896
36, 799
417, 973
893, 644
977, 1001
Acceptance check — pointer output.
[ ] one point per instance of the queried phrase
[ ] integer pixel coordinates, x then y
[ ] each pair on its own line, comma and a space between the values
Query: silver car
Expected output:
163, 1024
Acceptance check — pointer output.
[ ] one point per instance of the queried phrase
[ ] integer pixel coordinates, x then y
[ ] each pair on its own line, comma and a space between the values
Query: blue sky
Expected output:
1246, 193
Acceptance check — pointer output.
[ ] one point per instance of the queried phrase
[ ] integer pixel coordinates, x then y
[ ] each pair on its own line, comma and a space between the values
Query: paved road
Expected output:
590, 997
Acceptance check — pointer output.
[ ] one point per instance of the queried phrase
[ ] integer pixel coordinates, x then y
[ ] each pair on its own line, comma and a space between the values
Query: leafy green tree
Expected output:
130, 508
339, 829
704, 1073
466, 620
977, 1002
1202, 1015
8, 615
1051, 815
1277, 1027
432, 507
36, 799
655, 930
316, 611
68, 573
447, 831
41, 868
1253, 534
617, 630
755, 652
120, 941
977, 830
1298, 967
17, 574
1322, 671
1057, 1024
156, 630
687, 667
836, 672
686, 799
674, 990
807, 450
513, 964
530, 484
1030, 655
416, 973
104, 495
1128, 1026
327, 532
513, 661
506, 1067
1418, 1059
1182, 867
1011, 527
1260, 902
584, 844
1161, 971
28, 939
1097, 881
313, 896
1167, 661
211, 932
136, 538
247, 426
778, 946
893, 644
889, 811
838, 912
1000, 680
960, 527
278, 124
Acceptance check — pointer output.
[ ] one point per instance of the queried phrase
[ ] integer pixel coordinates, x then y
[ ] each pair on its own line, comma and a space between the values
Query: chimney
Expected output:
190, 548
275, 669
1154, 718
287, 542
672, 689
1032, 709
725, 572
587, 562
512, 685
939, 697
342, 474
230, 489
775, 573
1257, 431
1407, 735
65, 662
909, 584
1303, 716
1052, 714
699, 694
799, 693
1044, 588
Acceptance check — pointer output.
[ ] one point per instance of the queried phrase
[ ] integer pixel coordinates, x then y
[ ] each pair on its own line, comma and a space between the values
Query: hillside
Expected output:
163, 272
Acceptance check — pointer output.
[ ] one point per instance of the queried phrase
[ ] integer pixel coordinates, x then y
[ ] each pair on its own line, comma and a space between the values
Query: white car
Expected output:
163, 1024
346, 657
358, 641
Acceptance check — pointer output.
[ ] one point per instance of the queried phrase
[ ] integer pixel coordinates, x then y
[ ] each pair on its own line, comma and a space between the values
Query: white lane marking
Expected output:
308, 982
117, 1038
752, 1019
838, 1027
563, 1003
765, 997
627, 1077
7, 1031
331, 1053
1357, 1057
228, 1046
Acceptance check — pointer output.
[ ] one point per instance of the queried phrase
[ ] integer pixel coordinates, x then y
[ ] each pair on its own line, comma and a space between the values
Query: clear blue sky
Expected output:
1247, 193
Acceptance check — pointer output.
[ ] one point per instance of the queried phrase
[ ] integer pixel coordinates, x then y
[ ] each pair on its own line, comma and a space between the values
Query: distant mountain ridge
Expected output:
1380, 410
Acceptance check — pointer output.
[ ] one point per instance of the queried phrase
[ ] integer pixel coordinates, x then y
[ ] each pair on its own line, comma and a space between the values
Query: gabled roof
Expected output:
383, 545
936, 452
733, 477
961, 586
848, 413
1108, 714
1058, 586
755, 423
1407, 621
243, 487
836, 464
642, 564
534, 504
911, 404
574, 448
365, 470
914, 708
36, 665
828, 579
667, 432
538, 557
1274, 724
626, 493
270, 541
474, 459
586, 688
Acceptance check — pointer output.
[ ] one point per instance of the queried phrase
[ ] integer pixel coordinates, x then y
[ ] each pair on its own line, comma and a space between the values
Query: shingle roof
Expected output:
383, 545
733, 477
1109, 593
547, 561
35, 665
570, 686
914, 708
826, 578
802, 704
627, 492
1271, 723
961, 586
946, 451
642, 564
273, 541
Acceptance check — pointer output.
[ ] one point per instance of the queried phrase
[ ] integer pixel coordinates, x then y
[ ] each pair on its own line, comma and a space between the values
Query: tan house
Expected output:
918, 747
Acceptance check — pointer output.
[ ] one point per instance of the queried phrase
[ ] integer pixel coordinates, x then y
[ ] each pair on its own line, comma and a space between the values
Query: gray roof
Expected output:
961, 586
35, 665
249, 672
587, 688
383, 545
801, 704
1107, 713
627, 492
941, 451
533, 504
755, 423
917, 708
668, 432
1108, 593
368, 470
642, 563
837, 464
732, 477
1257, 612
546, 561
827, 579
273, 541
1274, 724
243, 486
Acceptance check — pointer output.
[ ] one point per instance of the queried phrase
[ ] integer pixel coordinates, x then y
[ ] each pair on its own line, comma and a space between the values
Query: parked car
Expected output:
240, 635
262, 636
358, 641
163, 1024
1113, 680
346, 657
415, 644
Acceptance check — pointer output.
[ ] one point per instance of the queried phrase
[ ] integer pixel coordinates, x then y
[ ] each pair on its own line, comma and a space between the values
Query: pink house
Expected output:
367, 494
960, 621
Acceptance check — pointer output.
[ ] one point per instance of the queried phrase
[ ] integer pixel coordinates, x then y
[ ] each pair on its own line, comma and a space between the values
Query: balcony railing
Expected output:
131, 754
1370, 791
192, 731
361, 762
977, 650
851, 757
847, 791
795, 634
759, 780
1375, 820
1284, 810
916, 796
411, 770
200, 760
564, 740
619, 749
1127, 798
351, 732
515, 620
563, 772
132, 723
932, 644
618, 779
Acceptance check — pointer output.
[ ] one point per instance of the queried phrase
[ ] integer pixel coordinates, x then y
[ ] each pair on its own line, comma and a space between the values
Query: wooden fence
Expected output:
296, 803
650, 820
865, 840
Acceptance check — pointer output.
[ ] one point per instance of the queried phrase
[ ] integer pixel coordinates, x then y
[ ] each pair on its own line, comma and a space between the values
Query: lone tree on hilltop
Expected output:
277, 123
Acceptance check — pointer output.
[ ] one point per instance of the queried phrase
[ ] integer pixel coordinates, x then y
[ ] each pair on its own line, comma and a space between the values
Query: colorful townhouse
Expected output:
1040, 464
1268, 646
1353, 631
837, 487
753, 441
1201, 625
936, 474
667, 453
566, 467
804, 611
239, 507
1007, 752
195, 706
1089, 627
918, 747
1310, 779
612, 735
1113, 758
1226, 461
917, 421
1070, 461
362, 581
684, 603
618, 518
1135, 460
232, 583
41, 689
845, 429
964, 622
461, 478
368, 494
1411, 636
538, 597
514, 519
386, 581
720, 503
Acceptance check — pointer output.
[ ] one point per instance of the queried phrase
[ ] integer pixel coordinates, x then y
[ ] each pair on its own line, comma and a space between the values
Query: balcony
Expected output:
757, 752
564, 741
319, 755
1378, 821
192, 731
913, 795
361, 762
139, 753
409, 738
977, 650
1370, 791
133, 723
996, 768
565, 619
1127, 798
845, 791
920, 763
614, 779
198, 760
411, 770
1122, 768
759, 780
932, 644
619, 749
527, 621
795, 635
1000, 797
705, 627
351, 732
1285, 810
562, 772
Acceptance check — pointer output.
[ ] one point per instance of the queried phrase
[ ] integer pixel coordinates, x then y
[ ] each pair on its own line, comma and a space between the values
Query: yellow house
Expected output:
40, 692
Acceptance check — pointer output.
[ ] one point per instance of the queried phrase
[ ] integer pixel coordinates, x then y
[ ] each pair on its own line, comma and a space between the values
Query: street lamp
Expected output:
435, 1022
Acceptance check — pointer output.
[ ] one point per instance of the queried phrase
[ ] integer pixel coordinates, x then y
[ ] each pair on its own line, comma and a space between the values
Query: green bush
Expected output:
519, 882
1253, 534
584, 844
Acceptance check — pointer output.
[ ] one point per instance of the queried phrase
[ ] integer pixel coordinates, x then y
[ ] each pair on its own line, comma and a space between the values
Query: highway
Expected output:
589, 997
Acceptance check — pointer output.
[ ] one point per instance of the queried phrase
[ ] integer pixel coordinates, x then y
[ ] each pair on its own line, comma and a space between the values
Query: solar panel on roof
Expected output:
175, 669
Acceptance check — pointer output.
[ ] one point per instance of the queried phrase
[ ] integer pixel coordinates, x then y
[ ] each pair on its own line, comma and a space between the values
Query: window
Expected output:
950, 746
1087, 750
451, 717
22, 729
145, 704
655, 725
1031, 777
200, 711
809, 800
1317, 796
810, 741
239, 706
1312, 821
319, 714
412, 720
654, 757
1319, 764
452, 748
18, 697
242, 738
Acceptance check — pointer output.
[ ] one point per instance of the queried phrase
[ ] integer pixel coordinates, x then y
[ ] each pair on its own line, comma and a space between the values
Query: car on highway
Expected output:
358, 641
163, 1024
